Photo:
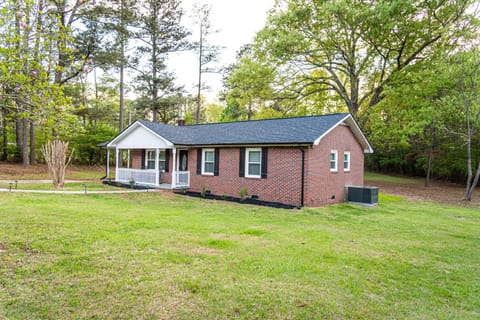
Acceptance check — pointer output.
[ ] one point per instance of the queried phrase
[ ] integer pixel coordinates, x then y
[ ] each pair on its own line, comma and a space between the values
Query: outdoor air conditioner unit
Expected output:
363, 195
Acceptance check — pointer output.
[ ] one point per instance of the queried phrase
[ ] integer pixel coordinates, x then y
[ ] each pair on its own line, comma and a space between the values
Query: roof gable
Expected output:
137, 136
356, 131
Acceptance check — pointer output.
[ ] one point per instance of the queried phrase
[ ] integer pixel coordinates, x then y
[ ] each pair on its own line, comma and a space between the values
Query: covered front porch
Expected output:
146, 159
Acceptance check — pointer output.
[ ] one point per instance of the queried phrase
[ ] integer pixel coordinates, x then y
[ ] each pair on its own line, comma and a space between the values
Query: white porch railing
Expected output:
137, 175
147, 176
183, 178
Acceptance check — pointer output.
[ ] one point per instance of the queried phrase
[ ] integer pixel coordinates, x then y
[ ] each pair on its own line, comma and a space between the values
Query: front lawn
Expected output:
155, 255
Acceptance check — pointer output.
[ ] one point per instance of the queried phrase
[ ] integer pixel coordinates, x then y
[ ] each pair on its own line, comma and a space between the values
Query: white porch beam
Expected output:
174, 168
116, 162
157, 171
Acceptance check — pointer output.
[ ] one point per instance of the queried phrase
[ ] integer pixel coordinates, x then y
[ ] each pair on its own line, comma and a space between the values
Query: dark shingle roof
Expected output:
299, 130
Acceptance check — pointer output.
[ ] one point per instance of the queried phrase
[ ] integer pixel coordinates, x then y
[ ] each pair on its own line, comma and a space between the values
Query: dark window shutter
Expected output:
216, 164
199, 161
242, 162
167, 159
264, 162
143, 166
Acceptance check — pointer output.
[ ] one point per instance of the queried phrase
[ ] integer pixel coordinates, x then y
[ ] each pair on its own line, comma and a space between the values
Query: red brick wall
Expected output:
281, 185
321, 184
136, 155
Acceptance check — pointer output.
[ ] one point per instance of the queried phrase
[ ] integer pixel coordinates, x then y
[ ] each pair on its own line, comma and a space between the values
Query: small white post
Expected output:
174, 168
157, 171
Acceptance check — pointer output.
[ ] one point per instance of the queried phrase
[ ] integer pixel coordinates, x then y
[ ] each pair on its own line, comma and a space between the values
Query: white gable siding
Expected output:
140, 138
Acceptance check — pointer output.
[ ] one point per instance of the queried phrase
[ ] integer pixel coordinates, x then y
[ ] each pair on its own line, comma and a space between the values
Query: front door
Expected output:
183, 160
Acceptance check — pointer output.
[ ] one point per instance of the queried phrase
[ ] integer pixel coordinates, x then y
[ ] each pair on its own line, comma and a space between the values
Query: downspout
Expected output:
302, 192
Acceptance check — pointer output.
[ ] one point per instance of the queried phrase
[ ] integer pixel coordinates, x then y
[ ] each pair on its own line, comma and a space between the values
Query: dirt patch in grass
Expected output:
167, 194
3, 247
10, 171
203, 250
439, 191
15, 171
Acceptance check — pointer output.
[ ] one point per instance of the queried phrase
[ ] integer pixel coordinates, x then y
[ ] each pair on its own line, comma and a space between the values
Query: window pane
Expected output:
345, 157
208, 167
161, 165
332, 165
254, 156
209, 156
151, 164
254, 169
162, 155
333, 156
151, 155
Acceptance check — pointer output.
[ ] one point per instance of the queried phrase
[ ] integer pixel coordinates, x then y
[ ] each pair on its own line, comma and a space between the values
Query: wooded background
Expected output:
407, 70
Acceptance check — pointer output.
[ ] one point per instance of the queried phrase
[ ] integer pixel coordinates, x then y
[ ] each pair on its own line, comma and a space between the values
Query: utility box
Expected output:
363, 195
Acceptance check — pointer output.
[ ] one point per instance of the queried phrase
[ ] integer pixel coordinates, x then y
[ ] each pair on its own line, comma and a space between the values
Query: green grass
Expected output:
69, 186
373, 176
146, 256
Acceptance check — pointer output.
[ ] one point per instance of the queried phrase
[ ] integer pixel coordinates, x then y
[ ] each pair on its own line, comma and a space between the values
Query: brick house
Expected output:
302, 161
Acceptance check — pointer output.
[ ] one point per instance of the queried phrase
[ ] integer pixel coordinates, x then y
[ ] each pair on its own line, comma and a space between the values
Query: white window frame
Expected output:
160, 152
204, 162
347, 168
335, 152
148, 159
247, 162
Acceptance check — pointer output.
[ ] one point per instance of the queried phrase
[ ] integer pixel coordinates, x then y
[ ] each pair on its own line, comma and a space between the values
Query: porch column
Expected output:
157, 171
116, 163
174, 168
108, 163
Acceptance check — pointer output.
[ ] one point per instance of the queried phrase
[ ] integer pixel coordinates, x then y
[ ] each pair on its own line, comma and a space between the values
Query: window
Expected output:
150, 160
333, 161
253, 163
208, 163
346, 161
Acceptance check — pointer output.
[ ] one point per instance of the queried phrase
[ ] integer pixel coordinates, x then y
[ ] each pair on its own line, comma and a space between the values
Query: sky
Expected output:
237, 22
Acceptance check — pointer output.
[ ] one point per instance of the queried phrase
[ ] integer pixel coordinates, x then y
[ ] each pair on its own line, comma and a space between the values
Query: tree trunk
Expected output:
122, 85
468, 190
473, 185
62, 57
4, 138
25, 155
122, 92
429, 167
32, 143
18, 138
199, 92
430, 156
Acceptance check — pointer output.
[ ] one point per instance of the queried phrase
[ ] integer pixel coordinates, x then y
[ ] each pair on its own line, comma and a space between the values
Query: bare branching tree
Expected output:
55, 154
